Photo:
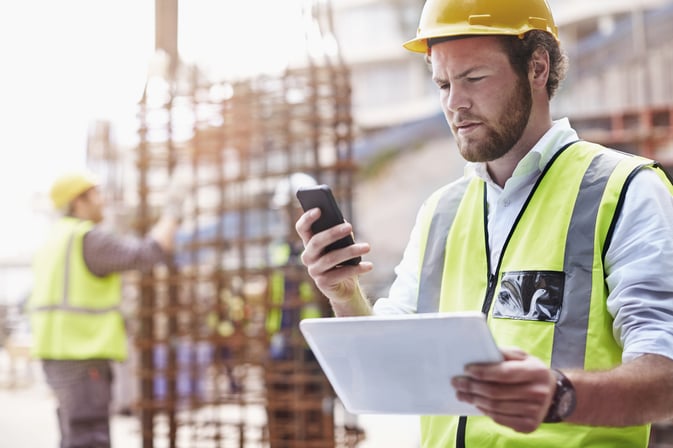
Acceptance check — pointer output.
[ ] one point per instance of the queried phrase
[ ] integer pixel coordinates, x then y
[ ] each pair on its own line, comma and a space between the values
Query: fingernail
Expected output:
460, 383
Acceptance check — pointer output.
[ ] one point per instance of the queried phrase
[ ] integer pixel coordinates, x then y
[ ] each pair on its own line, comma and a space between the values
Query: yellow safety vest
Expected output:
548, 295
73, 313
280, 256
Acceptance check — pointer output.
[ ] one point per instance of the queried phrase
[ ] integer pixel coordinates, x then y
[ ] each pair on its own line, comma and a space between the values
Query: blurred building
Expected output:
619, 89
391, 86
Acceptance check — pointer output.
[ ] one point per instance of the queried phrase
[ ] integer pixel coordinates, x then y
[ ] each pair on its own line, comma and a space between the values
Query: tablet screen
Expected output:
400, 364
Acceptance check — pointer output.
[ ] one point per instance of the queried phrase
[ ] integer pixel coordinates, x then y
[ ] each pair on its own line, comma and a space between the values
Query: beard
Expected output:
502, 135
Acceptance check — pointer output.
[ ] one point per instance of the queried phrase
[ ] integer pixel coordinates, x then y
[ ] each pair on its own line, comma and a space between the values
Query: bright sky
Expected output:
66, 63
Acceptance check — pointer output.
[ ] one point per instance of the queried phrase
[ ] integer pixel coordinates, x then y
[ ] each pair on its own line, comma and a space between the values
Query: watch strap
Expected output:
564, 400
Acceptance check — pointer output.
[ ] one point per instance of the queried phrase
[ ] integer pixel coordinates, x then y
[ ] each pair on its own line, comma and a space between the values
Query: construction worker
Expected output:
284, 314
77, 327
293, 374
564, 245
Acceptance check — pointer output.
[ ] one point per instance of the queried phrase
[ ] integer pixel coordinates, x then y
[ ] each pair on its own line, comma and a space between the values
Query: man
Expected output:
292, 298
292, 374
78, 329
565, 246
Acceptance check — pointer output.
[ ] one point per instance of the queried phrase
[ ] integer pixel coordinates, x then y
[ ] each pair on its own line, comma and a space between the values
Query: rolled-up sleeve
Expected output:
106, 252
639, 266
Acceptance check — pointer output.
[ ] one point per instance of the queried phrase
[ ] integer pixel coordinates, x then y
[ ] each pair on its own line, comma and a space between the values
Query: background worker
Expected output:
78, 329
564, 245
290, 364
292, 298
291, 292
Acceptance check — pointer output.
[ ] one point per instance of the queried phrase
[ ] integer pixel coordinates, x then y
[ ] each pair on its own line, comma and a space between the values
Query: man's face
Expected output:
484, 101
91, 205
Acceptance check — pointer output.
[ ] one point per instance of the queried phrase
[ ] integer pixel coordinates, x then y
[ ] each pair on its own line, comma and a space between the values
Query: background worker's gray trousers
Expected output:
83, 390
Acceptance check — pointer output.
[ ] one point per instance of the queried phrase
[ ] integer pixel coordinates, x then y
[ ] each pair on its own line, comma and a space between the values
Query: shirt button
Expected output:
506, 202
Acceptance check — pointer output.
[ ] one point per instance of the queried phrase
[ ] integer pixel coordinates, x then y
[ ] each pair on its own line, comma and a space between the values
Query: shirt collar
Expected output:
559, 135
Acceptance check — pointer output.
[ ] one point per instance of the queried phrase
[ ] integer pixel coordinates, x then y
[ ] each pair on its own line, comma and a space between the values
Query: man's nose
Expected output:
457, 99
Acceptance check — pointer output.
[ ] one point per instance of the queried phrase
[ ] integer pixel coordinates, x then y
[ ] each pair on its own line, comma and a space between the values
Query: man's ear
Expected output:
78, 204
538, 69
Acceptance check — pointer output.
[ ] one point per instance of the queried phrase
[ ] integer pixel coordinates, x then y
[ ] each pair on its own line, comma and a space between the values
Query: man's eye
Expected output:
475, 78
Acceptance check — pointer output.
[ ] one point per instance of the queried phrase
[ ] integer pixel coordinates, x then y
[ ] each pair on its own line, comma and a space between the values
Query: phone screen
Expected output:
321, 197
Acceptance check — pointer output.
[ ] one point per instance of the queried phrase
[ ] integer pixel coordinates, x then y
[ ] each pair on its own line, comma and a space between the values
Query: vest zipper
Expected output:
490, 291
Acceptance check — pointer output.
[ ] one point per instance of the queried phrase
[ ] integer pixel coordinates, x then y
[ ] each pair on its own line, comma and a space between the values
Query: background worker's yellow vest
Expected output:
73, 313
548, 296
280, 257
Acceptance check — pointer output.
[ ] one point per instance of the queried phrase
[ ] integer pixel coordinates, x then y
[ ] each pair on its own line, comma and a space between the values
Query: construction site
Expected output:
202, 371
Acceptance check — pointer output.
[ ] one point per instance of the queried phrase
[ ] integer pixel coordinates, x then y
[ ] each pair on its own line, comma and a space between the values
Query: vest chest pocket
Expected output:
530, 295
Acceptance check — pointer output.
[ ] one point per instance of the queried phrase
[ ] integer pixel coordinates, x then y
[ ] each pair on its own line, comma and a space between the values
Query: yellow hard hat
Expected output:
70, 185
446, 18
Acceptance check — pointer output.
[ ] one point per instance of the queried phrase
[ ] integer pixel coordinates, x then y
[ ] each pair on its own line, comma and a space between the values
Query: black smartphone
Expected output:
321, 197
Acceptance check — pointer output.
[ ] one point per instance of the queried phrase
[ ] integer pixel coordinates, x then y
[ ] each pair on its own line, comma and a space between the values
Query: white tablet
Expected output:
400, 364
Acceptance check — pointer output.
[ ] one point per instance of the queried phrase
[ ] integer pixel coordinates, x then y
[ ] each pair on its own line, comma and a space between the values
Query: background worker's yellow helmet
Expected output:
70, 185
448, 18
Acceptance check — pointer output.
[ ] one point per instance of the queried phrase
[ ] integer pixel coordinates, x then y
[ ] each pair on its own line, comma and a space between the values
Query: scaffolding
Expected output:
199, 324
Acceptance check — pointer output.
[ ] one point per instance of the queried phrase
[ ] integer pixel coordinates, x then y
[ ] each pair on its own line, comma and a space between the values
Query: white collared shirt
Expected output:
639, 261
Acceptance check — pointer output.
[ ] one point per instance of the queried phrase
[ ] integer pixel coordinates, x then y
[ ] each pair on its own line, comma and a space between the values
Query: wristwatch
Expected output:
564, 400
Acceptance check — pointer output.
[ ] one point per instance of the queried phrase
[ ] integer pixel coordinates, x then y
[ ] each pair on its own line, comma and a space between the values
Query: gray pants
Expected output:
83, 390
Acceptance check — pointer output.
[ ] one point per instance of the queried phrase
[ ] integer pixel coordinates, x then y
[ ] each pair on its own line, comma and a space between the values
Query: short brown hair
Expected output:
520, 51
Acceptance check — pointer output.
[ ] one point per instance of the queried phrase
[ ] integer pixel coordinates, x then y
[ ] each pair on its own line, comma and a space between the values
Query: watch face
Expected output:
566, 403
566, 397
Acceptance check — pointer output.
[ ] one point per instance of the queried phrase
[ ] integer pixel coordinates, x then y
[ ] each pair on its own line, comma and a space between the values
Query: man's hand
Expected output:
175, 194
515, 393
339, 284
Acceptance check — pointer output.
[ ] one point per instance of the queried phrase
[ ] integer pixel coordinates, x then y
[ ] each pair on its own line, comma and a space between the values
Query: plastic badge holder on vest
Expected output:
400, 364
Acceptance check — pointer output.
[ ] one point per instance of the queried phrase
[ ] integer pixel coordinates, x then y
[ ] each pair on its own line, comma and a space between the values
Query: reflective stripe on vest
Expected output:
578, 254
433, 258
64, 303
593, 183
74, 314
